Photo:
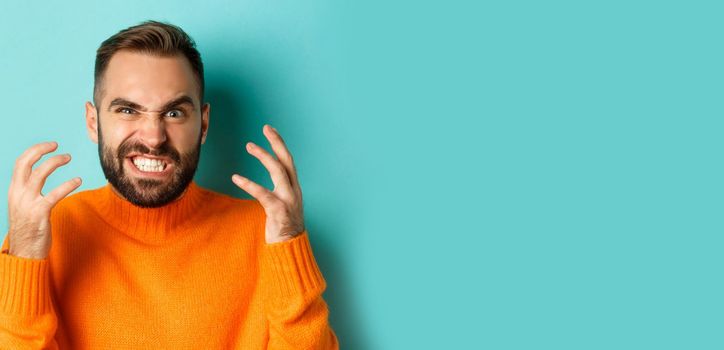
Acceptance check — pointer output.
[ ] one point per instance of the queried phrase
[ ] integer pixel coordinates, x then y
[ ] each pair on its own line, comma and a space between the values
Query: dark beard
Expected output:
148, 193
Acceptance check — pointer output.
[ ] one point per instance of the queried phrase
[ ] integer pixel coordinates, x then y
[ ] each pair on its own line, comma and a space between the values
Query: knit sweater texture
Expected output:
196, 273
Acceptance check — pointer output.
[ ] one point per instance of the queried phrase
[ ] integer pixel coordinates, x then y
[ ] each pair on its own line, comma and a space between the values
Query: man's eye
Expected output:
174, 113
121, 110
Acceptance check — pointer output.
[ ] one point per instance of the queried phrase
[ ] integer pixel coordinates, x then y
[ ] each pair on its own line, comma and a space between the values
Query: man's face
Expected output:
149, 126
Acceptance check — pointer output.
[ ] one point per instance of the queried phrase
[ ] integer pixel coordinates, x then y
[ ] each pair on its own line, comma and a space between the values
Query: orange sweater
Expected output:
194, 274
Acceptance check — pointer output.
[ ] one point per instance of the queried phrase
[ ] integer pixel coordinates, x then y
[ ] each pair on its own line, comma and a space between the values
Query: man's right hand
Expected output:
28, 209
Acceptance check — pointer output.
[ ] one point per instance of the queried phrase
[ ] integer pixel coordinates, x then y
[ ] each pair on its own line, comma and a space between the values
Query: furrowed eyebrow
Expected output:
173, 103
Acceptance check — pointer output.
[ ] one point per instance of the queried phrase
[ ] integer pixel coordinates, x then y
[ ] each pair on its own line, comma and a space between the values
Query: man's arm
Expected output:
293, 287
291, 281
27, 318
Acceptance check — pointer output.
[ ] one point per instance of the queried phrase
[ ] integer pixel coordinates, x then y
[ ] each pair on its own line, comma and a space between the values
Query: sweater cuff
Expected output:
289, 269
25, 288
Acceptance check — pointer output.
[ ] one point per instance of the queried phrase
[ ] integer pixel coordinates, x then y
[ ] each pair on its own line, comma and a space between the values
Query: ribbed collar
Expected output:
151, 225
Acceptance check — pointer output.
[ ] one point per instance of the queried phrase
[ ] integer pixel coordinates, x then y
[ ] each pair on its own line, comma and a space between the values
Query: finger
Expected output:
24, 163
276, 169
41, 173
264, 196
282, 152
61, 191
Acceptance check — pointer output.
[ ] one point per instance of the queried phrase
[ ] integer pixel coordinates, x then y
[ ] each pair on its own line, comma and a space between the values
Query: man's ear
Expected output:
91, 121
205, 111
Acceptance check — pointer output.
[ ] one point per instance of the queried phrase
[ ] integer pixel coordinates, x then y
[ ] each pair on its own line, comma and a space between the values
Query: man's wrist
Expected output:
27, 254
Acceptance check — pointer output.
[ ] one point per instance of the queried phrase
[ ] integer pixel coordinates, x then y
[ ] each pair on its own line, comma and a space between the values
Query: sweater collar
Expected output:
152, 225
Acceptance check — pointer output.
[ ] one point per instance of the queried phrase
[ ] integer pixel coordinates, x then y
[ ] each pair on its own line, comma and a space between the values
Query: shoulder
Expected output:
76, 202
73, 211
245, 217
224, 203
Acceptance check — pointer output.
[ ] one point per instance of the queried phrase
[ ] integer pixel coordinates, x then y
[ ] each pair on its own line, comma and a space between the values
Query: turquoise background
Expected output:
500, 175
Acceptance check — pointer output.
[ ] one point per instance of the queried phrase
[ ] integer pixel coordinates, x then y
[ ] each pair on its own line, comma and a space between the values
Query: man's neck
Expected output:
126, 199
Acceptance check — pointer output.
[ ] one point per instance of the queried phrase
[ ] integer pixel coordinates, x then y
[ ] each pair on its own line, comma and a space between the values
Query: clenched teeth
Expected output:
149, 165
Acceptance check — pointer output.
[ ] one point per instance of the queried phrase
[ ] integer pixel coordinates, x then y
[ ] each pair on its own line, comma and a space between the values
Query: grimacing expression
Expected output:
147, 192
150, 136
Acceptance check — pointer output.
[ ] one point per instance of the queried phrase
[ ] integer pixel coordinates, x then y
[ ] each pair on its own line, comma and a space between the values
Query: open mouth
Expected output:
149, 166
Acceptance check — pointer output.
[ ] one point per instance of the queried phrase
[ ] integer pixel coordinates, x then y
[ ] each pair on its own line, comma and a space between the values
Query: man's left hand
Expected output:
283, 206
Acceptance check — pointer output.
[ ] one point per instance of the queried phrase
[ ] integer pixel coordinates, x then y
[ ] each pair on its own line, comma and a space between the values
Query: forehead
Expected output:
147, 79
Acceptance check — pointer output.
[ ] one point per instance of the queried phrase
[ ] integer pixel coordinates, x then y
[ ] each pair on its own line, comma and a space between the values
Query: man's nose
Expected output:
153, 132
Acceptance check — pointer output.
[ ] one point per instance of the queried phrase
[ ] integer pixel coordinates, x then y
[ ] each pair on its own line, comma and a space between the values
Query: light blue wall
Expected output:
510, 175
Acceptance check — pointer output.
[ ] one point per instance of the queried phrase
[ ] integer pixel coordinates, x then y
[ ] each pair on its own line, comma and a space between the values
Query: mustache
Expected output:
165, 150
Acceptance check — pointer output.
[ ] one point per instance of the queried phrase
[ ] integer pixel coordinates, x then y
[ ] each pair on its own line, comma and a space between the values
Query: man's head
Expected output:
148, 119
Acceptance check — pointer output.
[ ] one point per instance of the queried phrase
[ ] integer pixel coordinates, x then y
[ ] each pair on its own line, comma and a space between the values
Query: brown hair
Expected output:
150, 37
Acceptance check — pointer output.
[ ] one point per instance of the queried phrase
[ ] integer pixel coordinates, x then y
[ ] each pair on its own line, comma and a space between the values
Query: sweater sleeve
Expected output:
293, 287
27, 318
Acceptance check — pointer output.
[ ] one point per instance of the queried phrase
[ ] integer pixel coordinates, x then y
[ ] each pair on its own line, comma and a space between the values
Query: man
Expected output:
151, 260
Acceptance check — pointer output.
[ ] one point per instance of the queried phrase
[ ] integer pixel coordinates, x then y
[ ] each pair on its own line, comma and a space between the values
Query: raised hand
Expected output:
283, 206
28, 209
